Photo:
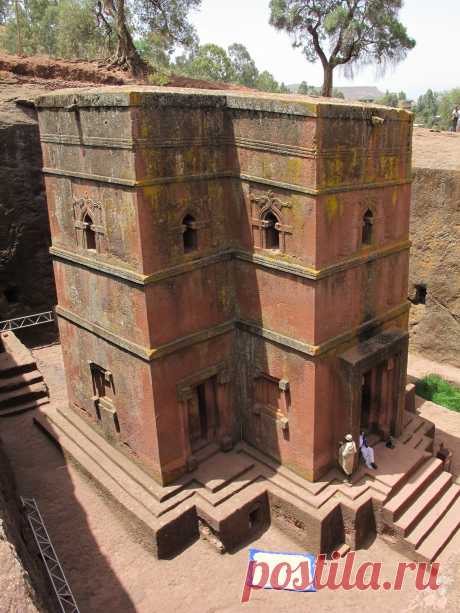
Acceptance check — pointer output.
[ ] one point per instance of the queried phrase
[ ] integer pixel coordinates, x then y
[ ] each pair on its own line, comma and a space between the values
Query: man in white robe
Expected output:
367, 452
347, 455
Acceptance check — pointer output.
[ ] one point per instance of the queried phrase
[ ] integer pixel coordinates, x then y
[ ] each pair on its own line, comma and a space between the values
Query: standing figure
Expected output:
366, 451
347, 455
455, 118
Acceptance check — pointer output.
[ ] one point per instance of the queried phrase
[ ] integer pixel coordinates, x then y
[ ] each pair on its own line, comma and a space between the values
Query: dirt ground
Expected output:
419, 366
439, 150
53, 73
109, 571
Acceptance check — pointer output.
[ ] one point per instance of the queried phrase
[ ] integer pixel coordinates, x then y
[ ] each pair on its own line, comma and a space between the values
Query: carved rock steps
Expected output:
21, 384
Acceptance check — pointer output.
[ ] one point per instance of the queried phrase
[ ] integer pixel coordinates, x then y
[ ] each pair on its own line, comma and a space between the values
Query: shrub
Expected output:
435, 388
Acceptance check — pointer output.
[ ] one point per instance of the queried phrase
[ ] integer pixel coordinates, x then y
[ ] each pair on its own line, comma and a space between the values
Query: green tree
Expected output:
446, 103
427, 108
244, 67
154, 50
388, 99
308, 90
46, 25
167, 20
311, 90
207, 62
77, 34
345, 33
266, 82
30, 26
64, 28
4, 11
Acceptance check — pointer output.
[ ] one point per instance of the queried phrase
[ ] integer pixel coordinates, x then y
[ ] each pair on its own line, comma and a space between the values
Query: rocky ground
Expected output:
109, 571
435, 253
17, 592
53, 73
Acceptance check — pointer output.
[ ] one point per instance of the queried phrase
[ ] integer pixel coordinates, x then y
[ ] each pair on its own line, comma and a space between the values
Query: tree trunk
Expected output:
126, 55
328, 80
18, 30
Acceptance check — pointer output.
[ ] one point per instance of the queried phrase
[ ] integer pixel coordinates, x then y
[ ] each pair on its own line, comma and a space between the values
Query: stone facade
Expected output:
229, 266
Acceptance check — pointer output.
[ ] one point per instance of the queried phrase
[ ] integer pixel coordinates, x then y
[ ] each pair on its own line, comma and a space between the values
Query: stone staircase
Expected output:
418, 433
21, 384
410, 501
423, 513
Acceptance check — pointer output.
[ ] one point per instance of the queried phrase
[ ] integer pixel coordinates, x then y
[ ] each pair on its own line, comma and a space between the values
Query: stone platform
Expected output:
409, 500
22, 387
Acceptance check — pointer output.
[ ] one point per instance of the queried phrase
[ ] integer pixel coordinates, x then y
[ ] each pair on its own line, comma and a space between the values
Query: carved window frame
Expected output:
282, 412
102, 403
262, 206
86, 207
197, 209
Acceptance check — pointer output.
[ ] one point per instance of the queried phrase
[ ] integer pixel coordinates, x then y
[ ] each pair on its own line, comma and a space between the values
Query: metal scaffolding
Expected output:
27, 321
54, 569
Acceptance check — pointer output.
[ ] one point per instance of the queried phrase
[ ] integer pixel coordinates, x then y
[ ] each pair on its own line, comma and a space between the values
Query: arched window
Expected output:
368, 221
190, 235
272, 235
89, 233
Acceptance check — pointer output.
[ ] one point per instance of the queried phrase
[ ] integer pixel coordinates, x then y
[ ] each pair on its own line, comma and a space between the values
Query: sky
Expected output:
432, 64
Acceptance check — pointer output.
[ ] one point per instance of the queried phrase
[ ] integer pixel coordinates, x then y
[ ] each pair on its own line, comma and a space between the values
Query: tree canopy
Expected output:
209, 62
392, 98
232, 66
311, 90
64, 28
244, 67
91, 28
344, 33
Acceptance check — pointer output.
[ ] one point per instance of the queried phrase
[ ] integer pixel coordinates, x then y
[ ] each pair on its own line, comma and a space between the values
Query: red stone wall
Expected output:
269, 325
134, 397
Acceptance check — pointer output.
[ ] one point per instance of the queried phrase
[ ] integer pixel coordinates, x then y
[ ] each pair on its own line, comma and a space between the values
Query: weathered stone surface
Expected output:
20, 570
26, 276
435, 259
213, 269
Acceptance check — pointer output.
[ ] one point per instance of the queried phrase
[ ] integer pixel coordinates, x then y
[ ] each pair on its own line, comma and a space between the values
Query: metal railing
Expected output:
53, 567
27, 321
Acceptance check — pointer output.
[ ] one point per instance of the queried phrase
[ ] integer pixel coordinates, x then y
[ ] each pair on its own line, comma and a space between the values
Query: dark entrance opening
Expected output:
190, 234
420, 294
202, 411
11, 294
90, 234
368, 220
366, 399
202, 415
272, 236
254, 517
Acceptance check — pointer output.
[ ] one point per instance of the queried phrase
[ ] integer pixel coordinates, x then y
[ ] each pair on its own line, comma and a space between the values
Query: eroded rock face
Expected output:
20, 570
434, 281
26, 274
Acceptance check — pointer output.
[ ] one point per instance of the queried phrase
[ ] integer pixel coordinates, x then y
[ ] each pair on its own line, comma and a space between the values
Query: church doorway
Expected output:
379, 398
374, 373
202, 414
366, 401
